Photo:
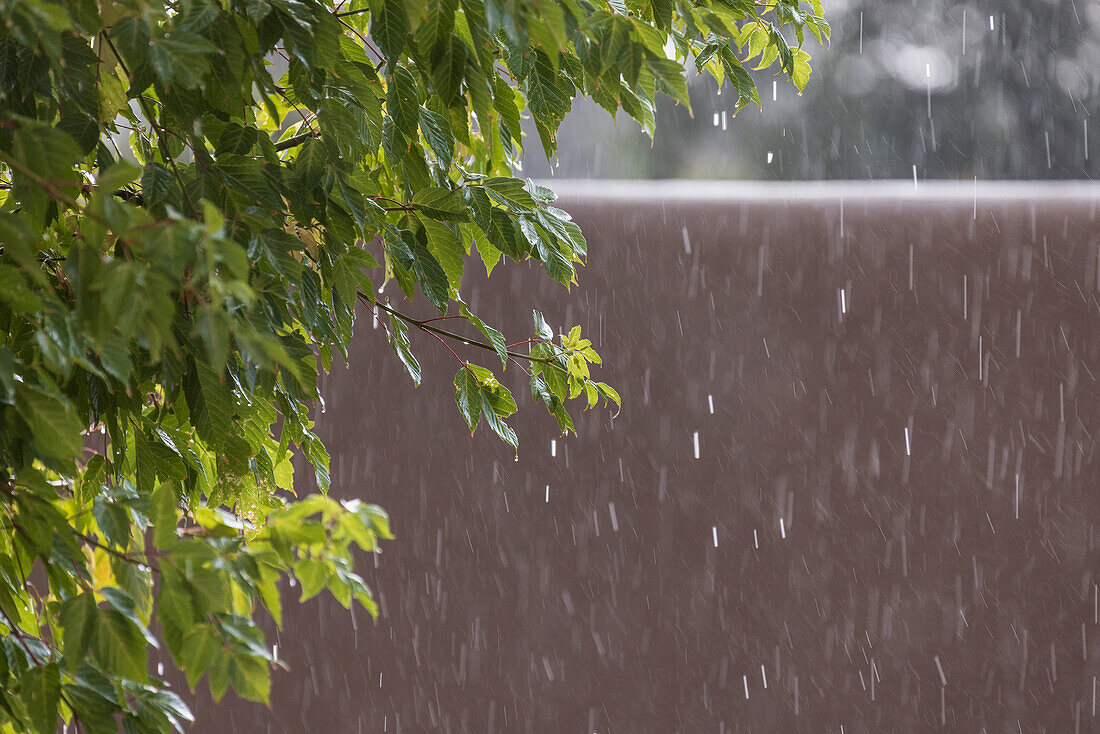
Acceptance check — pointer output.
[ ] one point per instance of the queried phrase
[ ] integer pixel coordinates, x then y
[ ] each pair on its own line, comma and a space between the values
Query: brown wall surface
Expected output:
903, 491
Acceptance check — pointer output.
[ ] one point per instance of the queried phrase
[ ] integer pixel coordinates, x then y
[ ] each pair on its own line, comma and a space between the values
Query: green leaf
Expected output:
662, 13
95, 472
670, 74
540, 391
210, 403
55, 427
277, 248
437, 131
236, 139
113, 520
250, 678
46, 173
433, 280
468, 397
268, 587
164, 514
246, 178
446, 247
156, 184
542, 329
505, 235
489, 254
609, 392
399, 340
41, 692
509, 193
549, 96
312, 575
786, 58
132, 36
490, 409
440, 21
440, 203
181, 58
93, 698
800, 74
390, 28
496, 339
742, 82
402, 102
120, 645
310, 165
16, 292
78, 622
449, 69
83, 129
198, 649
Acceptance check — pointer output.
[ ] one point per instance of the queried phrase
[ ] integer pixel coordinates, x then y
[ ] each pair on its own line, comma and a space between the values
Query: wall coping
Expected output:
692, 191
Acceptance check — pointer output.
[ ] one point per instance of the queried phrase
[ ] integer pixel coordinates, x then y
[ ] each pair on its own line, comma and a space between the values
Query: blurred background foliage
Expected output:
993, 90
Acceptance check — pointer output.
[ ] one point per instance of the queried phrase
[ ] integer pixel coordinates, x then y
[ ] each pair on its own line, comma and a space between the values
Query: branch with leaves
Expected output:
194, 198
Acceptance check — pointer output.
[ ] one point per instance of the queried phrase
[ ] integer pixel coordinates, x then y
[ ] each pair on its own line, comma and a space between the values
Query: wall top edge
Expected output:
691, 191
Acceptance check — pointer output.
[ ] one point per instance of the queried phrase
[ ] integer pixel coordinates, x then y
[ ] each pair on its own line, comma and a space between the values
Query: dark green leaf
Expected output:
440, 203
390, 28
41, 692
468, 397
54, 425
78, 622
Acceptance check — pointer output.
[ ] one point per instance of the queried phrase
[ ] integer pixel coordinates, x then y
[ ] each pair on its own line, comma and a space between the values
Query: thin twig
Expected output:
19, 635
128, 557
57, 195
294, 141
381, 58
51, 190
423, 325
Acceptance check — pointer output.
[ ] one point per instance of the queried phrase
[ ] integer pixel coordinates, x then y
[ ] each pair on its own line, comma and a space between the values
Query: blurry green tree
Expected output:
959, 89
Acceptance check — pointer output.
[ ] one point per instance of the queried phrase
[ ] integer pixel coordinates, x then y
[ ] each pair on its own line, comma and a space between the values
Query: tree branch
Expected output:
423, 325
294, 141
128, 557
50, 189
19, 635
54, 193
